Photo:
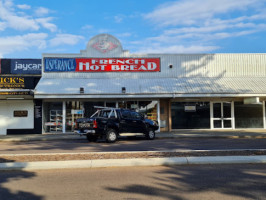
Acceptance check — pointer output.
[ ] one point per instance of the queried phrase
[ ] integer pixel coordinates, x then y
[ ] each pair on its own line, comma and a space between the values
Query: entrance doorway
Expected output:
222, 115
74, 110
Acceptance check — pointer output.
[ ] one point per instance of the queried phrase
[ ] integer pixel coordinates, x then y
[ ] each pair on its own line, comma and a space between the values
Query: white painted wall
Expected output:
8, 121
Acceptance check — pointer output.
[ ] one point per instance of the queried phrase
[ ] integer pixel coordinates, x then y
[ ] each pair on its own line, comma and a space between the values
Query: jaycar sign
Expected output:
102, 64
26, 66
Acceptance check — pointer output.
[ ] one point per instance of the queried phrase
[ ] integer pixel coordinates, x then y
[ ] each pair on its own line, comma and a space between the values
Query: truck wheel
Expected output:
111, 136
150, 135
92, 138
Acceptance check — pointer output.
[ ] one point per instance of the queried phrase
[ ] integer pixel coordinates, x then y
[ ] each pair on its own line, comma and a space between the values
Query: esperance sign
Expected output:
101, 64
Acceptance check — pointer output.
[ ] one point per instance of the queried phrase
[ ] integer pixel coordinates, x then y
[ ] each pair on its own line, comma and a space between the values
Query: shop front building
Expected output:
20, 113
180, 91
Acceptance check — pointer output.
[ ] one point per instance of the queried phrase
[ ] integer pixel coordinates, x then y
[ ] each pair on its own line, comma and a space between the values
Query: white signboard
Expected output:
76, 112
190, 108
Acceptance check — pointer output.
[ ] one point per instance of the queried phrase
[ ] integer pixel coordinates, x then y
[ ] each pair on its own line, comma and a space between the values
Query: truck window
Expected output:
136, 115
105, 113
126, 114
112, 114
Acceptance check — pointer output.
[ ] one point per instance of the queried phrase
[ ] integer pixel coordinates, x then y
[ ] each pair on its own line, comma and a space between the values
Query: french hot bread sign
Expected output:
101, 64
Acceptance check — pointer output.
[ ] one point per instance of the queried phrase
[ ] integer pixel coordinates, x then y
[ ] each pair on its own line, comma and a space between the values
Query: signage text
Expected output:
26, 66
12, 82
102, 65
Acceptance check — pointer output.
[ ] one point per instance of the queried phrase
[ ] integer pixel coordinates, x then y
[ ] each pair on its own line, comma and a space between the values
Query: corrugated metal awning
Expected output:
155, 88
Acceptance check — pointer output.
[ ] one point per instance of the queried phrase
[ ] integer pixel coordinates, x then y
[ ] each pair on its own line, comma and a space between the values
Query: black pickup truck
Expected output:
109, 123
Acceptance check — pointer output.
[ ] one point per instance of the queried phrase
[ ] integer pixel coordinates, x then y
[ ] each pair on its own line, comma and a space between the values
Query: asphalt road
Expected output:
140, 144
217, 182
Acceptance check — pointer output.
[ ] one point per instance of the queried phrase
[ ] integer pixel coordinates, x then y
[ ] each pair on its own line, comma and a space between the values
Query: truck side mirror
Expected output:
143, 116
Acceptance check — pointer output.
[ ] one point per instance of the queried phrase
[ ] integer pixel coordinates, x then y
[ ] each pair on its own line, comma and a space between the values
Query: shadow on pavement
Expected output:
202, 182
9, 193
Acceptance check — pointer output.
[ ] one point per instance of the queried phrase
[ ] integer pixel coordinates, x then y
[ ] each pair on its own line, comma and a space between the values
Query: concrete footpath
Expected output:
125, 162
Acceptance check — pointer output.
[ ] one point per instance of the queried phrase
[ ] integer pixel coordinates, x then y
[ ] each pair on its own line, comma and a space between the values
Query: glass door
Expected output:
74, 110
221, 115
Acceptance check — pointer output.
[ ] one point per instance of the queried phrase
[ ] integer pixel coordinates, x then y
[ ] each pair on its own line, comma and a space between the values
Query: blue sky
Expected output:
29, 28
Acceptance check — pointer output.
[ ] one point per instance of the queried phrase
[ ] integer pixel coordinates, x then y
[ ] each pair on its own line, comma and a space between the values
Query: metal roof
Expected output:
160, 87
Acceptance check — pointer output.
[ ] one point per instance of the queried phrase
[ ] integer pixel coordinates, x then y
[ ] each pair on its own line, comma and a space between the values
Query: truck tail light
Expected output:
94, 124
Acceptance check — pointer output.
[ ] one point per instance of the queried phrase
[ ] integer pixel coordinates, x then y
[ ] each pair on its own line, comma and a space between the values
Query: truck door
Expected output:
138, 123
126, 122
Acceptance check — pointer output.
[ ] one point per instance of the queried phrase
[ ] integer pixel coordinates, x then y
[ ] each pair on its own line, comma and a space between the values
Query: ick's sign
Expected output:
102, 64
17, 82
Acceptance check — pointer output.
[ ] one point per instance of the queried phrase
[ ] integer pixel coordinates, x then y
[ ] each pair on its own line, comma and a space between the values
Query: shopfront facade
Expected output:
180, 91
20, 113
61, 116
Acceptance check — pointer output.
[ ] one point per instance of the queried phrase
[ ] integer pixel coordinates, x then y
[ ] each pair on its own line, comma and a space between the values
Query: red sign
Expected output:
117, 64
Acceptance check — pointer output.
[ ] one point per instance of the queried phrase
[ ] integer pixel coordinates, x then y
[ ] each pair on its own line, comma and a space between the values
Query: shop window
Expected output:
53, 118
148, 109
190, 115
132, 105
74, 111
89, 108
110, 104
248, 115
